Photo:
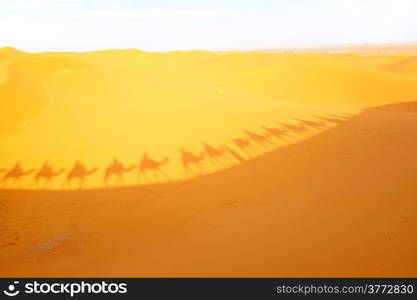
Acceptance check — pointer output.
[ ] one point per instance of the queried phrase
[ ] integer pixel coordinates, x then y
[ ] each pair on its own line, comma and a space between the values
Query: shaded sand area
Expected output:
340, 203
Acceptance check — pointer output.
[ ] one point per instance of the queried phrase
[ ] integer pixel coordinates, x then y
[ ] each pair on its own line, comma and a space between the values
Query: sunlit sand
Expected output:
196, 163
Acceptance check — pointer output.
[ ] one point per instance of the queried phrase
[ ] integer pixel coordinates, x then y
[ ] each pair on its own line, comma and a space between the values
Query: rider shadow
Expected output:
217, 156
278, 133
192, 163
148, 164
116, 169
80, 172
47, 174
246, 146
333, 119
299, 129
345, 116
313, 124
262, 140
236, 155
15, 175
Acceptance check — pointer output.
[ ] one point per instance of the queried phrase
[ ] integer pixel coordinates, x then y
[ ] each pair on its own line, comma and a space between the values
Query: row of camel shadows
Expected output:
250, 145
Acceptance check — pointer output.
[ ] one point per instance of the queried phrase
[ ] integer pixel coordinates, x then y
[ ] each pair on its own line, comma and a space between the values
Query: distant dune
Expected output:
389, 48
341, 203
22, 92
9, 53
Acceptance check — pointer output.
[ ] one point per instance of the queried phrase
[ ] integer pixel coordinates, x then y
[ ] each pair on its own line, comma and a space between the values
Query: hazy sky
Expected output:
161, 25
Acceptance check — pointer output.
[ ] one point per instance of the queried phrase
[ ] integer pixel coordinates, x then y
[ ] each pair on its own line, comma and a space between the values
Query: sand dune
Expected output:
269, 164
10, 53
406, 66
64, 106
23, 93
405, 48
341, 203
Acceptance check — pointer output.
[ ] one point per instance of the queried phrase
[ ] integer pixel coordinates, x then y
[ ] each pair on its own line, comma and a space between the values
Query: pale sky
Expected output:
163, 25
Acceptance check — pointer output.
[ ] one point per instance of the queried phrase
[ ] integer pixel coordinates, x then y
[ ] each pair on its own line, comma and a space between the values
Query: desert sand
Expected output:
389, 48
335, 195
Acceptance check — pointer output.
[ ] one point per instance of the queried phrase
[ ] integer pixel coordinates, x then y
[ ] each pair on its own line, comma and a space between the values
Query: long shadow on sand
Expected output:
343, 196
192, 162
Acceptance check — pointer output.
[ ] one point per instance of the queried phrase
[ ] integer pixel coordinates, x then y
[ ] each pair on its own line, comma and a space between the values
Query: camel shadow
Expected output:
236, 155
262, 140
15, 175
192, 163
334, 120
217, 156
47, 174
313, 124
80, 172
277, 132
246, 146
341, 116
116, 169
298, 129
148, 164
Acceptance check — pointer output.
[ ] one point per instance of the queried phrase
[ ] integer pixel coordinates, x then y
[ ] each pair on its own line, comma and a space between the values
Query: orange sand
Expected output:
335, 201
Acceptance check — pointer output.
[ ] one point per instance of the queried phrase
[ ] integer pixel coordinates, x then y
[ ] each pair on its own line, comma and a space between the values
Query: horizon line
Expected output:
312, 47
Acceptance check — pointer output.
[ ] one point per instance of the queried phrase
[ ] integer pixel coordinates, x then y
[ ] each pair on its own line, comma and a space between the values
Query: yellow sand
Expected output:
335, 201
